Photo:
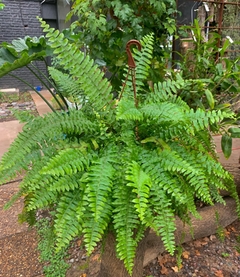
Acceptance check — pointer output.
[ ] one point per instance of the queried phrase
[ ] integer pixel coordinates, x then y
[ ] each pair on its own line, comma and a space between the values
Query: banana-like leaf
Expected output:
21, 52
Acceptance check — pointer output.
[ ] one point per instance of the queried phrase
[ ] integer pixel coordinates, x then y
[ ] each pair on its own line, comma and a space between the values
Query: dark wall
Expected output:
19, 19
187, 14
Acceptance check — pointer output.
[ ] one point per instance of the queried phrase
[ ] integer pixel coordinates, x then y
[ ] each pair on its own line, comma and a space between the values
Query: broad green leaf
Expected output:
210, 98
226, 144
235, 132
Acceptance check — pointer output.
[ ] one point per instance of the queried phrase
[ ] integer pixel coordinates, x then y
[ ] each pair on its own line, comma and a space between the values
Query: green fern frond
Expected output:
125, 220
41, 198
67, 85
98, 198
33, 179
168, 91
201, 119
126, 110
172, 162
66, 183
171, 183
67, 162
69, 217
163, 218
99, 178
13, 199
141, 184
143, 60
165, 111
91, 80
53, 127
151, 163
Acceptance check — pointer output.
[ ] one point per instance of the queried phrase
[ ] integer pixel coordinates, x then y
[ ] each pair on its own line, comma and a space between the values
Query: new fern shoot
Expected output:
90, 168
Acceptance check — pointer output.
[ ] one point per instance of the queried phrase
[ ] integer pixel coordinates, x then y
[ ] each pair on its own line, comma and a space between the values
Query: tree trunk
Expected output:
111, 266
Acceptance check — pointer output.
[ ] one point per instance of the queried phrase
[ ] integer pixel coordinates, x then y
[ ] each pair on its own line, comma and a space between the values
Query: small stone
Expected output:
22, 105
84, 257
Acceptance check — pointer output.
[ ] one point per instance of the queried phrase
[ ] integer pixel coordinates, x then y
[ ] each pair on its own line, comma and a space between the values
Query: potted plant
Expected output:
114, 169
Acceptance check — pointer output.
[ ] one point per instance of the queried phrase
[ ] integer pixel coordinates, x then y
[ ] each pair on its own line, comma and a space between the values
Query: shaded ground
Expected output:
214, 256
18, 244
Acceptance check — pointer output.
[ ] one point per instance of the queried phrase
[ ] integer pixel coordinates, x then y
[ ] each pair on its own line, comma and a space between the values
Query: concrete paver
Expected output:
234, 158
41, 105
8, 132
10, 129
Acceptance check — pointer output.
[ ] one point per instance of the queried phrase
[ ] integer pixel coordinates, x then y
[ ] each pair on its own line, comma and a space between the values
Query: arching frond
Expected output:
90, 79
125, 220
98, 199
68, 222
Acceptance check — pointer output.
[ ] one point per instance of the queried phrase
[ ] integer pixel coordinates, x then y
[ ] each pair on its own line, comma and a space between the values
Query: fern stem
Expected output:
52, 83
29, 85
133, 73
45, 84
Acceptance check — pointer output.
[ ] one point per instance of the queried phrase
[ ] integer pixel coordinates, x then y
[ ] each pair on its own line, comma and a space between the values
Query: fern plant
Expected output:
117, 167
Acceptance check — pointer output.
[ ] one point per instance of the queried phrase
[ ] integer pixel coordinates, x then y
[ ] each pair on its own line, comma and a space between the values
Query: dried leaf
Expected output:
95, 257
226, 233
161, 261
201, 242
233, 229
185, 254
176, 268
218, 273
197, 253
83, 275
236, 253
79, 242
212, 237
164, 270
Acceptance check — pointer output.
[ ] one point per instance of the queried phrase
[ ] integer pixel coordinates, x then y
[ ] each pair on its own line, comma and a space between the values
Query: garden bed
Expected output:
15, 101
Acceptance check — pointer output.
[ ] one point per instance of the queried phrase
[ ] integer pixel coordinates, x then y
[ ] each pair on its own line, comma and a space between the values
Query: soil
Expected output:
214, 256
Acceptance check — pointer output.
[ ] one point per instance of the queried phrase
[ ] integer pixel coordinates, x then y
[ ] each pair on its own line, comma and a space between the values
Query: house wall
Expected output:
19, 19
63, 8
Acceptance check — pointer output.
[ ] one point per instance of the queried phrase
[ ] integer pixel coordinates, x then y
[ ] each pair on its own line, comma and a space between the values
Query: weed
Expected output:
238, 239
220, 230
55, 265
179, 250
225, 255
15, 97
237, 247
9, 97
